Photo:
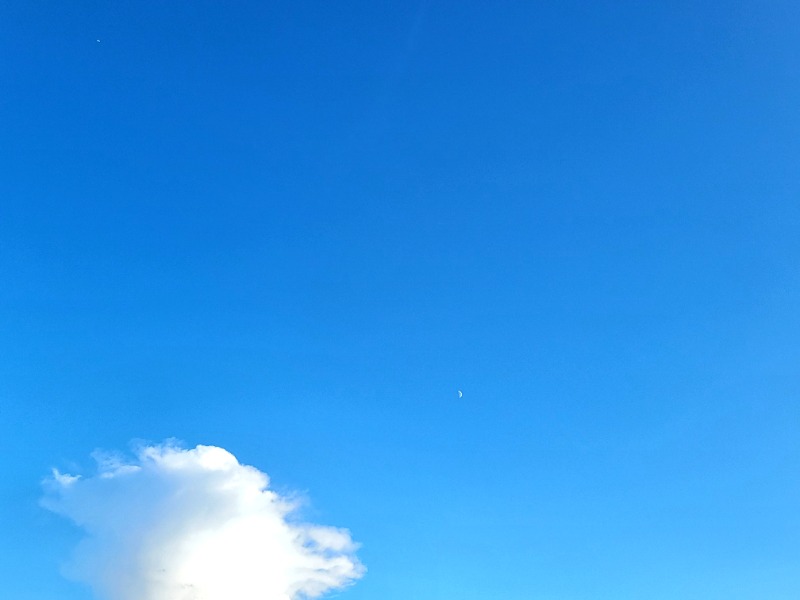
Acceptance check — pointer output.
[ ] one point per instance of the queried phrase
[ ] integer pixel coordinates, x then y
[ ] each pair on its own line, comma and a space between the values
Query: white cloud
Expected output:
179, 524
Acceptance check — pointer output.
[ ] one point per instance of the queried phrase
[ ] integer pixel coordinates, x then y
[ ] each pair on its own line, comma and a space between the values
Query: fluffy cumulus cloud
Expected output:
178, 524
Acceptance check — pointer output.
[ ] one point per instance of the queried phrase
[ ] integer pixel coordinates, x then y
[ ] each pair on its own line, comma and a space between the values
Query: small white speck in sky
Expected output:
460, 394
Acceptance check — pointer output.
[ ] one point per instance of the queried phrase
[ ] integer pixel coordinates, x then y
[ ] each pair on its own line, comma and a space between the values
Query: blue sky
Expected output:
294, 230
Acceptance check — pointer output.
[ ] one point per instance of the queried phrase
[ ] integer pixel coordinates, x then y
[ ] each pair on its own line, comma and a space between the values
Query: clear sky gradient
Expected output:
296, 229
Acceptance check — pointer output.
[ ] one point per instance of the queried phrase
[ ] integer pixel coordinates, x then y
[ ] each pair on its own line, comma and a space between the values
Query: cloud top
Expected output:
178, 524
